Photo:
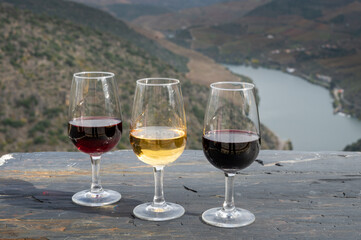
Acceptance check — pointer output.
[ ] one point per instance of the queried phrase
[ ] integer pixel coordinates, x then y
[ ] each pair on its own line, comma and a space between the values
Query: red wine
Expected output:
230, 150
95, 135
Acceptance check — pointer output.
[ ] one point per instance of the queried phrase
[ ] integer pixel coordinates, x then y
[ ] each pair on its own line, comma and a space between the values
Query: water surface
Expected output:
300, 111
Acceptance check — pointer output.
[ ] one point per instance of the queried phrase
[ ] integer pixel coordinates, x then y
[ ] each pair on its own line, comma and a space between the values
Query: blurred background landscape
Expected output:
43, 42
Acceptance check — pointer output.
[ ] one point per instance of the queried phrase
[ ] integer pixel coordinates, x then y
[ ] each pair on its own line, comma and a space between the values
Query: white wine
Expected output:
158, 146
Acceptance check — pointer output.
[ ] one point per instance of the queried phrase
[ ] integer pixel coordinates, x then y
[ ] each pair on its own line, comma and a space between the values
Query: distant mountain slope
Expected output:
129, 12
38, 56
308, 9
99, 20
320, 39
173, 5
354, 147
200, 16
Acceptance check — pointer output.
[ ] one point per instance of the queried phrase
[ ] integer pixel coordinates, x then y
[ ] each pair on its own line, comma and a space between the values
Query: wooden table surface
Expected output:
294, 195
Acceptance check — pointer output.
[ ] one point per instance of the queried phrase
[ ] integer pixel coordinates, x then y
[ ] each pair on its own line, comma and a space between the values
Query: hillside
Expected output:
101, 21
320, 39
171, 5
129, 12
354, 147
199, 16
38, 56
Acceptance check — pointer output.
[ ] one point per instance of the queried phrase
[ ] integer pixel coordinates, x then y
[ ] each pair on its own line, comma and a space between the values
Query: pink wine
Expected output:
95, 135
230, 150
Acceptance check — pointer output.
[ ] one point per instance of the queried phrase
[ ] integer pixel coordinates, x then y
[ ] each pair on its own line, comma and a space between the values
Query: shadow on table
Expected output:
24, 194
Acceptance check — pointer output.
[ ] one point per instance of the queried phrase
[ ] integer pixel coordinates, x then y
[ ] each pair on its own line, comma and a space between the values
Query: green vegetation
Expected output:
354, 147
183, 38
314, 37
39, 54
98, 20
12, 123
27, 102
169, 4
308, 9
130, 12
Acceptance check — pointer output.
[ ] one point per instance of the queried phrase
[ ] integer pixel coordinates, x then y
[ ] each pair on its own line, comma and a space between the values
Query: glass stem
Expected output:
228, 205
96, 186
158, 199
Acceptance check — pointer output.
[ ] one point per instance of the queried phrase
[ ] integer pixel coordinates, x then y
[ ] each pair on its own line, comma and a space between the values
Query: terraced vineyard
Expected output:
38, 55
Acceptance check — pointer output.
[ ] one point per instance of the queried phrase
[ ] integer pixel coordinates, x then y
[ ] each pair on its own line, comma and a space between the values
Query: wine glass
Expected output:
158, 136
231, 142
94, 127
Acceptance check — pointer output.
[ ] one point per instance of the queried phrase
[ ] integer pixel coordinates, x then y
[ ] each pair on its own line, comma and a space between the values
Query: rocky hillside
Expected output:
38, 56
319, 40
354, 147
101, 21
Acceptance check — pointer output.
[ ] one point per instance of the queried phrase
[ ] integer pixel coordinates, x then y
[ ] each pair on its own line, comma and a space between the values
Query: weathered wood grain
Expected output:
294, 195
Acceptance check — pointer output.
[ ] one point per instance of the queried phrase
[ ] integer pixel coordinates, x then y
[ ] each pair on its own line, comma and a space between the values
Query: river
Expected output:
300, 111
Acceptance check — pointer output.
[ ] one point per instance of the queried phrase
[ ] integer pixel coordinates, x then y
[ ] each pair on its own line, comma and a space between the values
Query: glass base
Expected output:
167, 211
237, 218
86, 198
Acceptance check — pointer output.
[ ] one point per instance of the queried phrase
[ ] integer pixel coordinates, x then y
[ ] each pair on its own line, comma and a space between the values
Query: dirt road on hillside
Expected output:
202, 69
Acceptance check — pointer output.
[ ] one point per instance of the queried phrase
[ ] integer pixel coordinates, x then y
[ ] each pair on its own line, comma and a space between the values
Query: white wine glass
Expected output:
231, 142
158, 136
94, 127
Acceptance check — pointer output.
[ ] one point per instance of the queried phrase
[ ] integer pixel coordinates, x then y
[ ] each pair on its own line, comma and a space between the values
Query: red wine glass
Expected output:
231, 142
94, 127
